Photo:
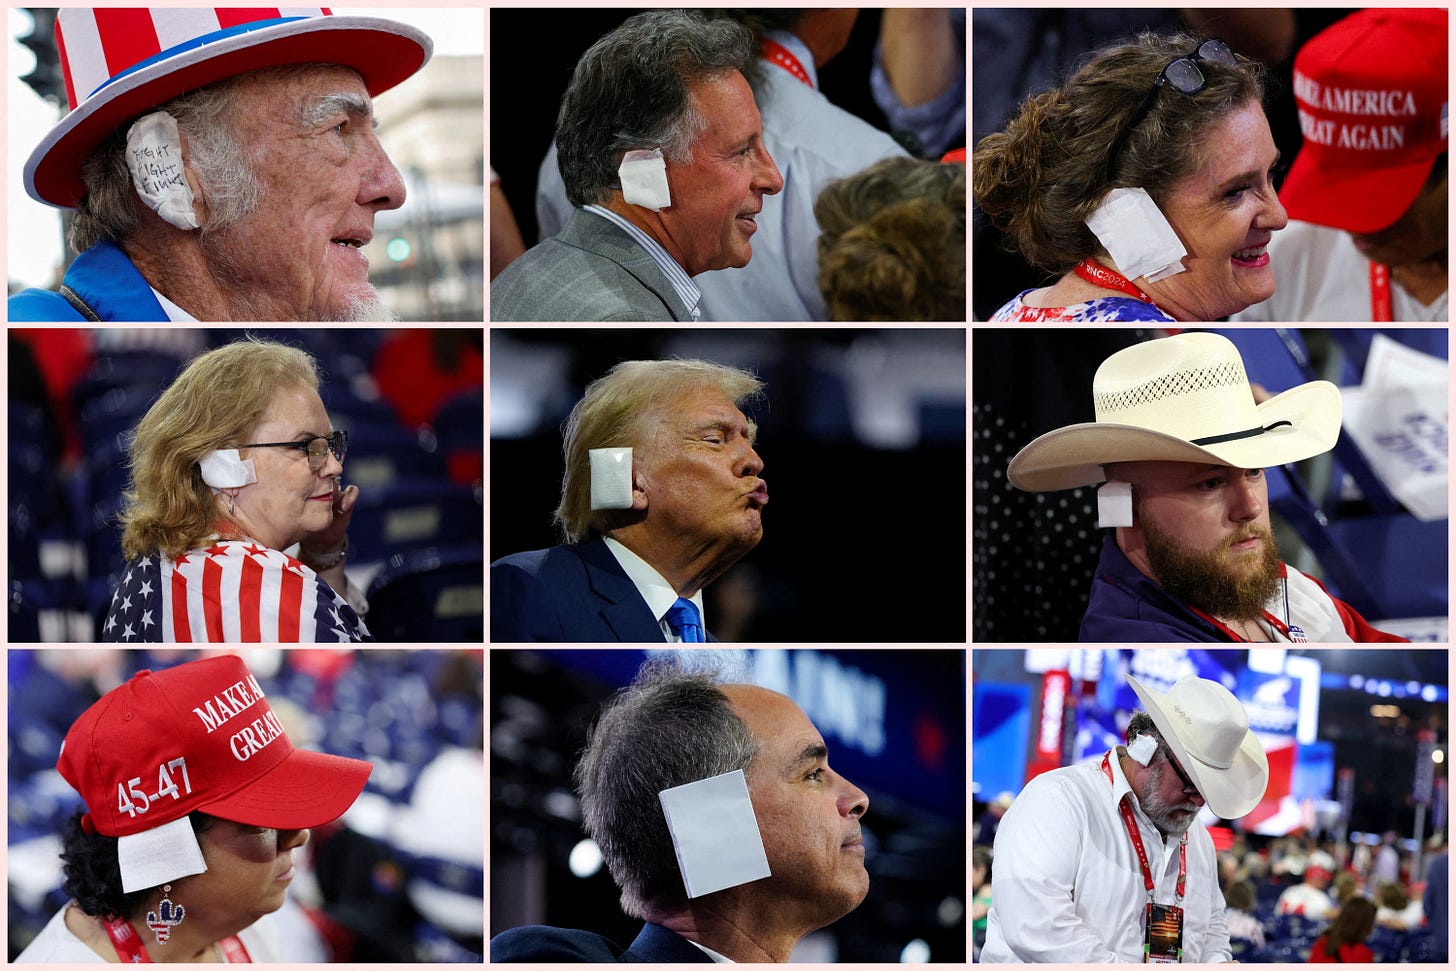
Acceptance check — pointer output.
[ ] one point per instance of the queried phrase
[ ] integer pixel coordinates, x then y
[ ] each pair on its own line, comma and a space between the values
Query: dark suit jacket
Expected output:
577, 592
655, 945
591, 270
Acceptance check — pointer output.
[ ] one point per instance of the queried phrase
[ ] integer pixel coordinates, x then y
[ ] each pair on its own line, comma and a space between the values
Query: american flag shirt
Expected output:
233, 591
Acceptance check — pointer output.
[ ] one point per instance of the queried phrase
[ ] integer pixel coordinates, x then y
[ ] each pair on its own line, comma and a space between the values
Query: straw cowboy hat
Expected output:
1184, 398
121, 62
1207, 729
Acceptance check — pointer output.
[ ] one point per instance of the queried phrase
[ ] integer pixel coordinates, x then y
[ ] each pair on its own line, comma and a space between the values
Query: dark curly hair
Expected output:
93, 873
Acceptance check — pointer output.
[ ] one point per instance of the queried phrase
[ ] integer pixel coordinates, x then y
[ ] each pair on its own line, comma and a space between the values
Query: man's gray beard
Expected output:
247, 304
1160, 811
1205, 580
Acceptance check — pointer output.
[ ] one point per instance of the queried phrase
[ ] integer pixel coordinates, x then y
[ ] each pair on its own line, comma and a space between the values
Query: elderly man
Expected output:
1104, 862
661, 495
662, 149
1183, 447
1367, 193
223, 164
671, 729
813, 142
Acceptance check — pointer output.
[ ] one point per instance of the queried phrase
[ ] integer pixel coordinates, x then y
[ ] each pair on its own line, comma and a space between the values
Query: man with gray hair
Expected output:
661, 150
223, 164
661, 495
672, 730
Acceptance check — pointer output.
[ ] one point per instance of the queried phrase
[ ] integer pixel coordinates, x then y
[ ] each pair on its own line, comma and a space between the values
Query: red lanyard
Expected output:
1137, 841
779, 54
1380, 308
130, 949
1096, 273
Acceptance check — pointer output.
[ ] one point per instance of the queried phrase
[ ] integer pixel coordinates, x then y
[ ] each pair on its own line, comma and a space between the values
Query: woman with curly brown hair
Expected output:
1143, 183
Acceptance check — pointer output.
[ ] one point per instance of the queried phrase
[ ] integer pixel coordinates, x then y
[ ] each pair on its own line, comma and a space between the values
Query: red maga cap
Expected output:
1371, 92
199, 736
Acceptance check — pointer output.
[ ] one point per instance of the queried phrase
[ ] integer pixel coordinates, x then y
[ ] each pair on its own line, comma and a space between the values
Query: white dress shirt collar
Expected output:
717, 958
655, 589
174, 313
686, 289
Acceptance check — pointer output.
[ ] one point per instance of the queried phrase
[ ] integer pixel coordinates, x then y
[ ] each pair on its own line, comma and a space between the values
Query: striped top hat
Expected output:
120, 63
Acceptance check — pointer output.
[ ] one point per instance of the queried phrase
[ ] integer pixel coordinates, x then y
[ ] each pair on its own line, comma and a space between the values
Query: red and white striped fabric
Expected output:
97, 43
235, 591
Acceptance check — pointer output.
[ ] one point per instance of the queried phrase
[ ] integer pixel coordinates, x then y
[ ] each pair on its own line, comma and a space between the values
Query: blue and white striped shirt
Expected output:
676, 275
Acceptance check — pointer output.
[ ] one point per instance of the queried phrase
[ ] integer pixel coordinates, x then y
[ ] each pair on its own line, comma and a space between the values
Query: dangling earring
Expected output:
167, 916
232, 498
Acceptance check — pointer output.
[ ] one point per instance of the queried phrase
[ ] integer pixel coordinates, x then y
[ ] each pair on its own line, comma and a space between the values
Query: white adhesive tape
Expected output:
644, 179
611, 478
223, 469
1137, 235
154, 155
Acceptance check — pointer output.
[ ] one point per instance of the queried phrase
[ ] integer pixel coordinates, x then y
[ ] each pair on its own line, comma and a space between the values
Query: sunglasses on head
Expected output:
1184, 75
317, 448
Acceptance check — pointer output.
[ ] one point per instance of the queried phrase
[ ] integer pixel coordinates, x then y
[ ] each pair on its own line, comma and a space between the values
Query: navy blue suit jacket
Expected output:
655, 945
577, 592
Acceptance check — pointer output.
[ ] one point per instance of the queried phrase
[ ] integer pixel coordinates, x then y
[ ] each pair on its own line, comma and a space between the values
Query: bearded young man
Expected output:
1104, 862
1182, 446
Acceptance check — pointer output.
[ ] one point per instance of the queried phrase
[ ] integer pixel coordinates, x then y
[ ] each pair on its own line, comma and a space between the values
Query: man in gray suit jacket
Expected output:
661, 148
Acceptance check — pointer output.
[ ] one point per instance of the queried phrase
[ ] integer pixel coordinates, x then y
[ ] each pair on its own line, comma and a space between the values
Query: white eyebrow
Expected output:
325, 107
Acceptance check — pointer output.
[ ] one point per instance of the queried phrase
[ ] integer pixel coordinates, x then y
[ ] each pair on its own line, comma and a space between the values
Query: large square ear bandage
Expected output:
1141, 749
1137, 236
714, 833
611, 478
222, 469
154, 155
1114, 504
644, 179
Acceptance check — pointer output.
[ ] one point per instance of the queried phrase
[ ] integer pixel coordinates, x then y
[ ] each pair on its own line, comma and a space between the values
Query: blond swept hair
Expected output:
216, 402
611, 415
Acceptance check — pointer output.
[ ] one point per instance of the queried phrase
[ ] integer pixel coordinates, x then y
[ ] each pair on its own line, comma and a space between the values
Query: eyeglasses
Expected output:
1183, 74
317, 448
1188, 785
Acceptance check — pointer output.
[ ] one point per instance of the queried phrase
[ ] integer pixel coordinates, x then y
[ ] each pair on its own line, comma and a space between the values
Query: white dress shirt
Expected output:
655, 589
1068, 887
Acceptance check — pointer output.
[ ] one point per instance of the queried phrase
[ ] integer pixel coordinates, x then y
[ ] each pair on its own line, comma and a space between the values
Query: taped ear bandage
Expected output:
223, 469
1141, 749
714, 833
644, 179
1137, 235
154, 155
611, 478
1114, 504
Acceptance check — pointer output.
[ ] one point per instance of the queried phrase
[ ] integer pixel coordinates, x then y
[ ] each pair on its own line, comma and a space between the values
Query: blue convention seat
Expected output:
413, 514
435, 595
381, 452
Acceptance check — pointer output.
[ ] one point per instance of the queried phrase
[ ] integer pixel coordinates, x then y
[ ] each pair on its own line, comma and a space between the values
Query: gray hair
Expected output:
611, 414
630, 91
668, 728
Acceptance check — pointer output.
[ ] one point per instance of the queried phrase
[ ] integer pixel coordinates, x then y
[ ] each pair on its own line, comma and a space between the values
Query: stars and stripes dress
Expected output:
233, 591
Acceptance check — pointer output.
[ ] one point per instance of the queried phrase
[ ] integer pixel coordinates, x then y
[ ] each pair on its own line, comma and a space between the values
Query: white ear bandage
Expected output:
1114, 504
1137, 235
1141, 749
154, 155
644, 179
714, 833
223, 469
611, 478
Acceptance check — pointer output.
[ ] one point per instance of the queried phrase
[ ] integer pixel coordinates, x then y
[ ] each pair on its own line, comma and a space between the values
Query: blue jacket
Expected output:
577, 592
1126, 606
655, 945
105, 279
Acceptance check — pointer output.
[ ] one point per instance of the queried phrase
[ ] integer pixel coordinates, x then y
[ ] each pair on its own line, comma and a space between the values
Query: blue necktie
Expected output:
685, 621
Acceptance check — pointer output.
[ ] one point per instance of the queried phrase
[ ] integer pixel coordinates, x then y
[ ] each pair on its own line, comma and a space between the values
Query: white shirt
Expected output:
1306, 900
55, 944
717, 958
1068, 885
174, 313
655, 589
1320, 275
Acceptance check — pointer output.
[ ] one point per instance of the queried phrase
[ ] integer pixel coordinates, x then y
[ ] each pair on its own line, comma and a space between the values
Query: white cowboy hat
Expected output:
1184, 398
1207, 730
119, 63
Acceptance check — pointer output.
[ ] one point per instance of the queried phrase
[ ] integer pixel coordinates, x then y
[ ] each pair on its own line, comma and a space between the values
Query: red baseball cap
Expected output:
199, 736
1372, 99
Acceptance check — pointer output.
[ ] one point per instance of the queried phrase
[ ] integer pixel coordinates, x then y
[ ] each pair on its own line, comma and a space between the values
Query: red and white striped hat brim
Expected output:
119, 63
